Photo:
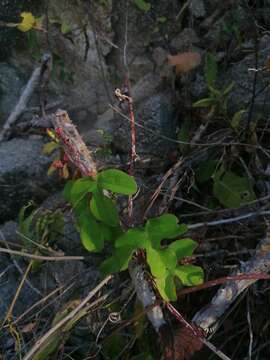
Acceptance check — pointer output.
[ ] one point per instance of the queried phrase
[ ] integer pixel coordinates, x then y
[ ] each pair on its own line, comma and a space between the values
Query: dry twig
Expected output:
26, 95
209, 318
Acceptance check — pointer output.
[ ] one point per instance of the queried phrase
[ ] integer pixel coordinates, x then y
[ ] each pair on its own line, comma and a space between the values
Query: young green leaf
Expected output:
183, 248
136, 238
164, 227
117, 181
75, 191
50, 147
189, 275
104, 209
166, 287
156, 263
206, 102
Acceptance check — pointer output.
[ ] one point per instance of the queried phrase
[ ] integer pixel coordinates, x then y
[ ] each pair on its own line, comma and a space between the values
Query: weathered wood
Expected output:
26, 95
73, 144
209, 318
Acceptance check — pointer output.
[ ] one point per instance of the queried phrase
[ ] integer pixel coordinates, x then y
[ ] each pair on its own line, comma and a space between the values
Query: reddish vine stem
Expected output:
133, 155
195, 331
222, 280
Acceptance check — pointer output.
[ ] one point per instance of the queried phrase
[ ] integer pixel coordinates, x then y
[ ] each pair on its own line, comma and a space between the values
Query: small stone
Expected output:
197, 8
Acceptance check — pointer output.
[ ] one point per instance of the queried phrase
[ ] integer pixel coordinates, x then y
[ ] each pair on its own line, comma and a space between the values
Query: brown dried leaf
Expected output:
185, 345
184, 62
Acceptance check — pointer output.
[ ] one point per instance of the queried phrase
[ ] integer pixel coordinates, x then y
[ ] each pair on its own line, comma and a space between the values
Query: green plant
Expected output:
231, 189
217, 99
142, 5
98, 222
39, 228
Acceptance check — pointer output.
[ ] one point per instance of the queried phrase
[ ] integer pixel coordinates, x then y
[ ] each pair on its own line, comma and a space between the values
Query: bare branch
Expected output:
26, 95
209, 317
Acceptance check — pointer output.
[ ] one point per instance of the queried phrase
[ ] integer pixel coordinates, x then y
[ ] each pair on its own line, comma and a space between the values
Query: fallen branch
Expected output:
209, 318
26, 95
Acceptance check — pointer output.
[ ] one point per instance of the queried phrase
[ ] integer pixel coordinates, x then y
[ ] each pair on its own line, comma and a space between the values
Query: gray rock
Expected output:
197, 8
242, 74
185, 40
11, 83
155, 125
23, 175
8, 232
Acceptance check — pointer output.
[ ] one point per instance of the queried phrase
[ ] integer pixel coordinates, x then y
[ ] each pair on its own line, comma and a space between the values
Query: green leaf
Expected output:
228, 89
166, 287
164, 227
215, 93
236, 120
156, 263
232, 190
210, 69
25, 223
118, 262
117, 181
205, 170
65, 28
189, 275
50, 147
161, 261
206, 102
183, 248
104, 209
75, 191
135, 238
169, 258
67, 190
91, 233
143, 5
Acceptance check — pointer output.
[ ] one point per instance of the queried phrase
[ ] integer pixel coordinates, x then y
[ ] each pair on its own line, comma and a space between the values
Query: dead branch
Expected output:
146, 295
26, 95
40, 257
209, 318
73, 145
